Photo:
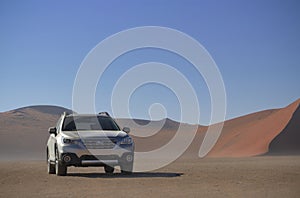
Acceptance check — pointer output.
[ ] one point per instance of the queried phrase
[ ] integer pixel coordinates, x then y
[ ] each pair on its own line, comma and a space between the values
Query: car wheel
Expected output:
61, 169
109, 169
50, 167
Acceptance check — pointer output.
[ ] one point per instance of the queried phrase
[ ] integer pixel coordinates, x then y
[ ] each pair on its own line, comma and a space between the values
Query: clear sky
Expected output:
255, 44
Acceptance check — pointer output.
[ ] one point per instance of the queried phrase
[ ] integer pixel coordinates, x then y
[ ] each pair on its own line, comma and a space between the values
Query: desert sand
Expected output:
211, 177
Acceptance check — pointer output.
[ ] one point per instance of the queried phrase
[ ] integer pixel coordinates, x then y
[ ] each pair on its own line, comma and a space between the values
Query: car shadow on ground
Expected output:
121, 175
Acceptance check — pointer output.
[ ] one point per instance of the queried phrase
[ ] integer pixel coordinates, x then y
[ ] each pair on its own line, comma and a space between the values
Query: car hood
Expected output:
94, 134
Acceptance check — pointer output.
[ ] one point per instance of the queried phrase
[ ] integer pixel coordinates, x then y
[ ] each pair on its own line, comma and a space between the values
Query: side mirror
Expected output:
126, 129
52, 130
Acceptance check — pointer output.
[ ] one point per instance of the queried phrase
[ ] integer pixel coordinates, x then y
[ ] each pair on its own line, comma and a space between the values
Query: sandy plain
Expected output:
266, 176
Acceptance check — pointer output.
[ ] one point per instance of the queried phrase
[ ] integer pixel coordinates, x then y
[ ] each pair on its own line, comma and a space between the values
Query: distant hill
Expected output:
24, 133
48, 109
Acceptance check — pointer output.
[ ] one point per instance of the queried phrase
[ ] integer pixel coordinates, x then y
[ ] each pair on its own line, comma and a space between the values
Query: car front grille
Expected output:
100, 143
99, 157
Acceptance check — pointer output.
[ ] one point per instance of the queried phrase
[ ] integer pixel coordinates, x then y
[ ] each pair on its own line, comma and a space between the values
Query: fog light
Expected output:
129, 158
66, 158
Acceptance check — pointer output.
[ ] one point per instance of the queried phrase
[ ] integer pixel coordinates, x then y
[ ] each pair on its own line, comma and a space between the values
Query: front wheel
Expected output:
61, 169
109, 169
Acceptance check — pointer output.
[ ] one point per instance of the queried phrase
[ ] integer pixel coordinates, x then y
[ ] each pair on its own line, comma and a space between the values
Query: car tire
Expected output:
50, 167
60, 169
109, 169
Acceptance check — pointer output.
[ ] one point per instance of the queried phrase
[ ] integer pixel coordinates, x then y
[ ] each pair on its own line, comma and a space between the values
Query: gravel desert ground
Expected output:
211, 177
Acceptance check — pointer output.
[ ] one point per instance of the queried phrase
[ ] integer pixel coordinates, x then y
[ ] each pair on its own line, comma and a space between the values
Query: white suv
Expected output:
89, 140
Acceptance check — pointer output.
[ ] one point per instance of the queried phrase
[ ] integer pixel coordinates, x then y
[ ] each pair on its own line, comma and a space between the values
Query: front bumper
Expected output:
79, 155
71, 159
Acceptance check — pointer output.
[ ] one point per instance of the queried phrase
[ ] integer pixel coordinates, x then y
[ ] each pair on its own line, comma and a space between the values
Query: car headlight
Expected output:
126, 140
70, 141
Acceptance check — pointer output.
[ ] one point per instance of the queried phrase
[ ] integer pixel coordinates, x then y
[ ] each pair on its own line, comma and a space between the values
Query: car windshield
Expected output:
89, 123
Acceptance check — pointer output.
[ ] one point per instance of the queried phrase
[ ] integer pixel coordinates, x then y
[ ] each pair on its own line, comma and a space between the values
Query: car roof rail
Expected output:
104, 113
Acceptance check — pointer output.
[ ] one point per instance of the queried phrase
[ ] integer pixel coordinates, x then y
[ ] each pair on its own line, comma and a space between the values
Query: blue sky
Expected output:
255, 44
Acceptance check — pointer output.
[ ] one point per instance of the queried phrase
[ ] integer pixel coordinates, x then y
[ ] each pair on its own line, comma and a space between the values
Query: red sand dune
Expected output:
251, 135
